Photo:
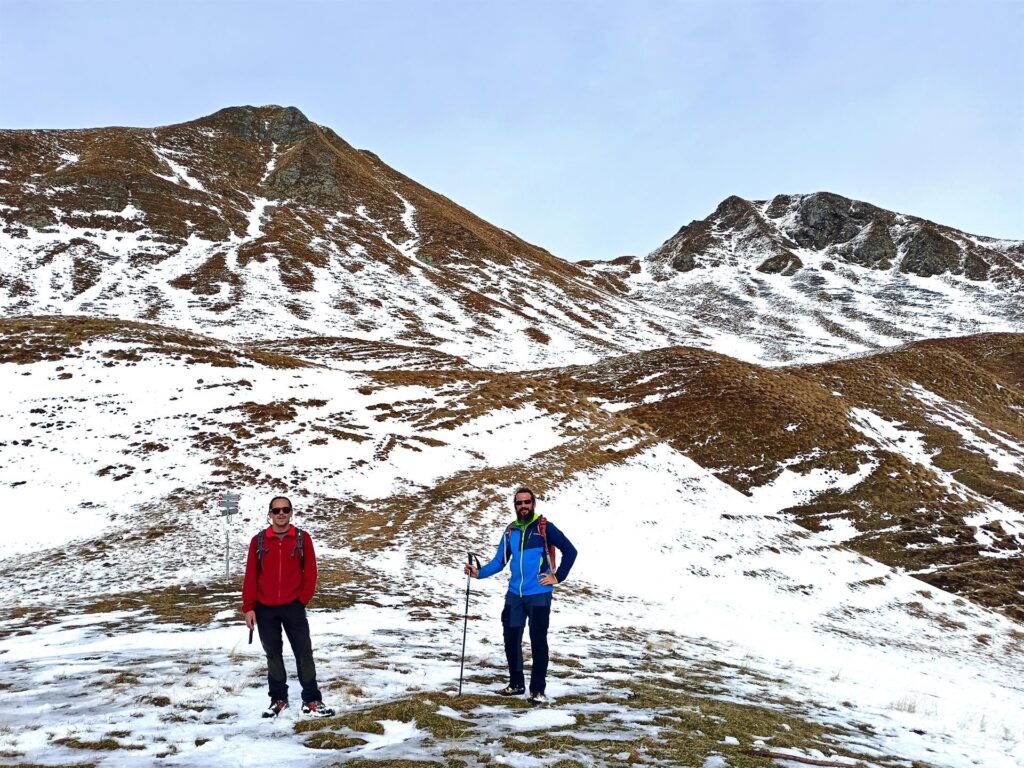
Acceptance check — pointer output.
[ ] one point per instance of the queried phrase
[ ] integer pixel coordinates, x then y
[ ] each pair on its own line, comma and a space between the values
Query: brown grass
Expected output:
105, 744
420, 709
196, 605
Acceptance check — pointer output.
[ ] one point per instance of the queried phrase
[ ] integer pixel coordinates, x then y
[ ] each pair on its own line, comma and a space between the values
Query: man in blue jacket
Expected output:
528, 544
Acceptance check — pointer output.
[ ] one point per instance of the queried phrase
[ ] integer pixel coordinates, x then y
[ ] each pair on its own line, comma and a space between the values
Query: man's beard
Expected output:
524, 517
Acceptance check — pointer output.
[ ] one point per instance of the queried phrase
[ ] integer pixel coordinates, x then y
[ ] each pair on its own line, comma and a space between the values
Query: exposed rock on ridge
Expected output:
848, 230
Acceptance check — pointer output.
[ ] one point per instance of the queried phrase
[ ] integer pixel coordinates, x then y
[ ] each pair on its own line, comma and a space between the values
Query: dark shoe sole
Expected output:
516, 692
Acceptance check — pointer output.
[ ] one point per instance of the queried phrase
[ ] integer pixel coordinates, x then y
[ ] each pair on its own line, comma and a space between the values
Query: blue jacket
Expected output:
525, 551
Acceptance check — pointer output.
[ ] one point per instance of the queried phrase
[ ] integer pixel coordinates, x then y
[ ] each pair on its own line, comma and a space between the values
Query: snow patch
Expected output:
180, 172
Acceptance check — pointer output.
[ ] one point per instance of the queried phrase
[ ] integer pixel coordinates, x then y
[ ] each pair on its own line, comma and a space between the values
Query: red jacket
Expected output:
283, 579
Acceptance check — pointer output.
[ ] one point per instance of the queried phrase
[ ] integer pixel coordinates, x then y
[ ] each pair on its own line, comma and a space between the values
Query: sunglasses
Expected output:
526, 503
281, 511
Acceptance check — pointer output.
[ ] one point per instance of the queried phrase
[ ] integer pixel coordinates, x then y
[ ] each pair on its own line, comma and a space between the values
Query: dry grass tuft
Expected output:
331, 740
420, 709
195, 605
104, 744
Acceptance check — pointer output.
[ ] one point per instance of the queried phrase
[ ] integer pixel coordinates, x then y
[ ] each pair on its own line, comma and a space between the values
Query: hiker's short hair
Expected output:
278, 498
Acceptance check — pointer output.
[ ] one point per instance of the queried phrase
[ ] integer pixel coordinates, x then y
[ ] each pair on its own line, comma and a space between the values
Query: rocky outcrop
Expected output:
854, 232
735, 224
873, 248
282, 126
927, 253
826, 219
784, 263
680, 251
844, 230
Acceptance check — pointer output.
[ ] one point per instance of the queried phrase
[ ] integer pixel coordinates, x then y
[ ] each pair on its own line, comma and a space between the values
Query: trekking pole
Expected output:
465, 622
250, 635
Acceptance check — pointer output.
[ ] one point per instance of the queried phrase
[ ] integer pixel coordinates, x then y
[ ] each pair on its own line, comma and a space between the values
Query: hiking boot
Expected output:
275, 708
538, 699
316, 709
512, 690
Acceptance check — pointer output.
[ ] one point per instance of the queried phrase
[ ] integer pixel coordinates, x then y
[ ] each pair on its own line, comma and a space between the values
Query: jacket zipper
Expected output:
280, 573
522, 573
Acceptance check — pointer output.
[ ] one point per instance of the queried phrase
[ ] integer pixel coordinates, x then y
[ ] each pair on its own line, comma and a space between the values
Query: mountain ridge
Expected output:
827, 219
255, 222
809, 278
239, 225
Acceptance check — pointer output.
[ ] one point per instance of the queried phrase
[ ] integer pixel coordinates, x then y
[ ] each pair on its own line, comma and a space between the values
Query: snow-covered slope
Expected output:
930, 438
120, 450
257, 223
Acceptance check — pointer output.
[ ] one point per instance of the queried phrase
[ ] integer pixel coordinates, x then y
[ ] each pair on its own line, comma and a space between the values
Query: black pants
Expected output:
536, 609
269, 620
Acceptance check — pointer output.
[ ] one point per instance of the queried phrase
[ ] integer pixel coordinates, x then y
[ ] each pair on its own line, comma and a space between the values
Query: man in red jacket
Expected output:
280, 578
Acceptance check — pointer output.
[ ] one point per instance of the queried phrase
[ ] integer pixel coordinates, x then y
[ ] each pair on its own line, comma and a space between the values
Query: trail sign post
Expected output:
228, 504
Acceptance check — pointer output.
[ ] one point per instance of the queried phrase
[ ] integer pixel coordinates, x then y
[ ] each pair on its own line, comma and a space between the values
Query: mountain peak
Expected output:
257, 222
733, 204
849, 274
282, 125
734, 216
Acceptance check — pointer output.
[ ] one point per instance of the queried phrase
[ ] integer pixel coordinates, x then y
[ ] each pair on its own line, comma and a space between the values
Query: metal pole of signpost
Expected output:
229, 506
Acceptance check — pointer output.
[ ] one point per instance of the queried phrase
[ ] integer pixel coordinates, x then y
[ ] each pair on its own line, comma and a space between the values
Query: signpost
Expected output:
228, 504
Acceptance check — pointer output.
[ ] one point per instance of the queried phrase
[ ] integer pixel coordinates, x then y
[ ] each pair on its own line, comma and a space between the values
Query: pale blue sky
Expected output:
593, 129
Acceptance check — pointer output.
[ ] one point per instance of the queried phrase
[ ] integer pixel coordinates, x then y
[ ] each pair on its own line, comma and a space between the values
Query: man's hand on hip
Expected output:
548, 580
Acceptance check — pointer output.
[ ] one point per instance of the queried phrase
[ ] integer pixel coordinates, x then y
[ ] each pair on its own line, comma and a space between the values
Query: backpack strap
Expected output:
550, 553
508, 544
260, 549
298, 550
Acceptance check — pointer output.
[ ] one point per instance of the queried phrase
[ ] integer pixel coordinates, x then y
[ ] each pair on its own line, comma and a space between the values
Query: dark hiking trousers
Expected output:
535, 609
292, 617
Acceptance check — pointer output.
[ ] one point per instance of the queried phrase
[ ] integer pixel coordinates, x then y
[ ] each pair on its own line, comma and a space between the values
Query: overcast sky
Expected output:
591, 128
